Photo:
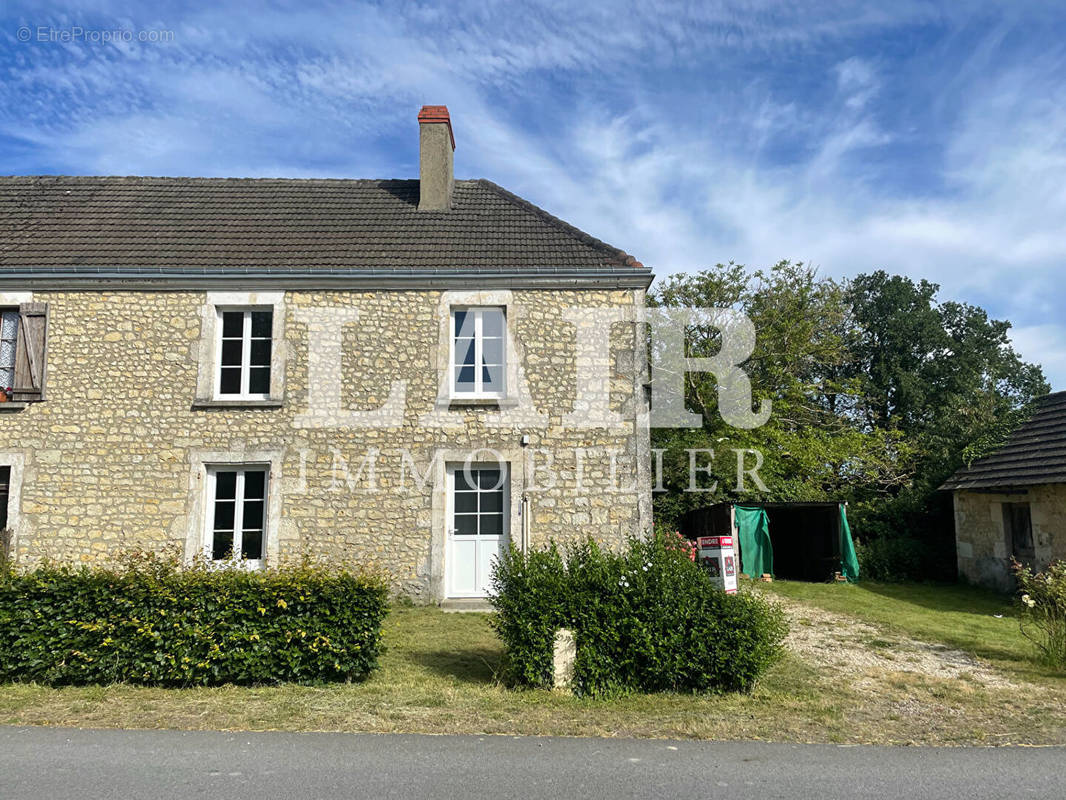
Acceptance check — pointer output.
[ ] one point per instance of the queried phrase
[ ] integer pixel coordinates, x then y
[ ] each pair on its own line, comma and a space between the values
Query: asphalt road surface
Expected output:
57, 763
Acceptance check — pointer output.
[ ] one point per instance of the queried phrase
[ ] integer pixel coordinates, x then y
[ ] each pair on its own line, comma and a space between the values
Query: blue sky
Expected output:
925, 139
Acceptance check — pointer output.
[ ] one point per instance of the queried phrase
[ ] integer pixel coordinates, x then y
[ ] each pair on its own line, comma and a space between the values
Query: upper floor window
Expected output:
9, 327
478, 357
245, 346
23, 351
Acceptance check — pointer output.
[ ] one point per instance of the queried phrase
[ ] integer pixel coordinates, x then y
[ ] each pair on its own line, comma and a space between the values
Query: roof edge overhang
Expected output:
784, 504
998, 488
184, 279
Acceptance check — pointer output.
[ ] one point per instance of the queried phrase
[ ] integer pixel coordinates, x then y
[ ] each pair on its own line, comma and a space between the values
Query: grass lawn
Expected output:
438, 676
963, 617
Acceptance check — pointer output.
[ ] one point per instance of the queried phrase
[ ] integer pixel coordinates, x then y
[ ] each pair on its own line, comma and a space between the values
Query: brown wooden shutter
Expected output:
31, 350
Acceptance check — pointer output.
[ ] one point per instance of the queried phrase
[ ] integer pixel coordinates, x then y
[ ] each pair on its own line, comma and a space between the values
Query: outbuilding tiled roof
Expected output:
1034, 454
222, 225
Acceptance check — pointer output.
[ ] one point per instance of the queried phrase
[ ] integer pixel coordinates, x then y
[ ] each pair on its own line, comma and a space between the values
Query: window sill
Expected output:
12, 406
479, 402
210, 404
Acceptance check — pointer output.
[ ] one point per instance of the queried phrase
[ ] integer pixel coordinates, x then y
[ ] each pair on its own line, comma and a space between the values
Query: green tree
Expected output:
944, 377
812, 446
879, 392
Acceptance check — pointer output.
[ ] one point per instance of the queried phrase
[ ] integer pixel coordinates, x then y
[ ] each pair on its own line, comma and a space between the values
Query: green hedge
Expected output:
148, 622
644, 620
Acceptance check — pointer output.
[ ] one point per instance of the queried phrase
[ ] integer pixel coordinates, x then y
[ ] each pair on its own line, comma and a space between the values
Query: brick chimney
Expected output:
436, 174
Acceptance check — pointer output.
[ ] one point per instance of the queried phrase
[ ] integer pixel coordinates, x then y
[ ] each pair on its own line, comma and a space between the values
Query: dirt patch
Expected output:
867, 652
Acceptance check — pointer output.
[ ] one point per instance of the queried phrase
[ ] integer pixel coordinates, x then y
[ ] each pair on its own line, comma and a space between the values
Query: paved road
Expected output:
56, 763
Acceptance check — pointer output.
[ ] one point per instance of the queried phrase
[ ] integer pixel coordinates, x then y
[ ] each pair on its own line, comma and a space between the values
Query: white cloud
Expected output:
857, 80
685, 134
1045, 345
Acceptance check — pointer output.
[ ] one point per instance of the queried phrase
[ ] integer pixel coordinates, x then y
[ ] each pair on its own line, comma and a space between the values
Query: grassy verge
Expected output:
438, 676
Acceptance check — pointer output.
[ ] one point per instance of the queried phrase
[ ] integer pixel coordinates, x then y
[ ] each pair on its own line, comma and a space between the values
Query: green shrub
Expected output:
147, 622
893, 559
1043, 601
647, 619
529, 597
910, 537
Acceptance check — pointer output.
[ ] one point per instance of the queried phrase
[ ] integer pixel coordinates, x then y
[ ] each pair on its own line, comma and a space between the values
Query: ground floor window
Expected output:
479, 500
1018, 526
236, 524
5, 491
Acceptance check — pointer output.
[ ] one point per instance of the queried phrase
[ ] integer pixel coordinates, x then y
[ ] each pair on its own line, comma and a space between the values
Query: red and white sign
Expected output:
717, 557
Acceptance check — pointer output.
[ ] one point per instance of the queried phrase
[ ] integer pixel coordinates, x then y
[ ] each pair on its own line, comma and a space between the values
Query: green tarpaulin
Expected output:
753, 536
849, 564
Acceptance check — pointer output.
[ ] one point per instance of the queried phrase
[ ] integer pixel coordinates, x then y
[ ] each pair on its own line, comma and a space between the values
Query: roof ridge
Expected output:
206, 178
1052, 397
566, 227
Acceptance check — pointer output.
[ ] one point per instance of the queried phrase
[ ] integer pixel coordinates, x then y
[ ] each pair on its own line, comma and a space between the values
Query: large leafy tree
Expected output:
943, 376
813, 446
879, 392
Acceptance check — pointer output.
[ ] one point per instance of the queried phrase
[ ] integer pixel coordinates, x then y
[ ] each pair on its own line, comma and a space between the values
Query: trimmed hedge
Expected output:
645, 620
150, 623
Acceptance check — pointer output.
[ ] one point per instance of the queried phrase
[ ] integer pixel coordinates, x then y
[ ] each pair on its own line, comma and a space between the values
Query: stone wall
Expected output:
981, 539
113, 459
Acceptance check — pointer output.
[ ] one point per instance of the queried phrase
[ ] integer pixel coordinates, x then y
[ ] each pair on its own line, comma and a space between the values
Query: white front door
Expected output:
478, 516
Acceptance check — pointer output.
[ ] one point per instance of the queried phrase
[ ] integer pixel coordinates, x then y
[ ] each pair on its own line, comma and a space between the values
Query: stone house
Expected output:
407, 373
1012, 503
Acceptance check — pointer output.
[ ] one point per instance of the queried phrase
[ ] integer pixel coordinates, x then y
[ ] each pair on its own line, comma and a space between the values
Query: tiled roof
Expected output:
219, 225
1034, 454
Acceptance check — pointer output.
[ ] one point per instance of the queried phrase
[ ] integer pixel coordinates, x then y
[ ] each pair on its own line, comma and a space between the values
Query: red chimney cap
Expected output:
431, 114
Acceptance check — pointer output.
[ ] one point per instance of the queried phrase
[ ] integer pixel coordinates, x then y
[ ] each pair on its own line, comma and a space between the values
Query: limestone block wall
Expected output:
113, 459
981, 540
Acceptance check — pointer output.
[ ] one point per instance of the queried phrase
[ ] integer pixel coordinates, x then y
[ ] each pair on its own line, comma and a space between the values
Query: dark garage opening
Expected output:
805, 537
806, 540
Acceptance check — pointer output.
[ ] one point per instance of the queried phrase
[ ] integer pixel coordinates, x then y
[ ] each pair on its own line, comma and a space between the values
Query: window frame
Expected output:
208, 536
5, 495
479, 392
7, 309
1012, 513
246, 352
468, 471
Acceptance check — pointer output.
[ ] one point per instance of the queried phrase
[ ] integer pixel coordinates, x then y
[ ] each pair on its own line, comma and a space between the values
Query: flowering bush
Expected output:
1043, 602
675, 541
646, 619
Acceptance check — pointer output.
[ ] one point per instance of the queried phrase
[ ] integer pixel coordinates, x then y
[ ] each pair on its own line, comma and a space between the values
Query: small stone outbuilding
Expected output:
1012, 503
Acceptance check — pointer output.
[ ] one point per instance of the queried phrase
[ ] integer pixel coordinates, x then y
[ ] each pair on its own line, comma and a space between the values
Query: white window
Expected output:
478, 353
9, 326
236, 515
244, 353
